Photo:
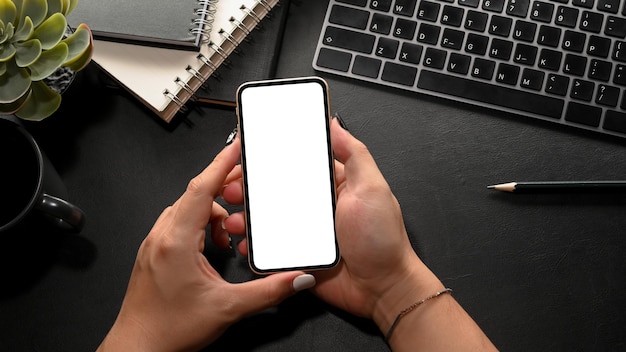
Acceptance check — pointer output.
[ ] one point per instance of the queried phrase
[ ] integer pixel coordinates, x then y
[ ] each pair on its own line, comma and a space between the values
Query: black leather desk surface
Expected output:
537, 272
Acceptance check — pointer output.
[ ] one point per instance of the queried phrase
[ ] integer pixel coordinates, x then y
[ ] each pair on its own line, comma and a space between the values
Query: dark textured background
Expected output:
537, 272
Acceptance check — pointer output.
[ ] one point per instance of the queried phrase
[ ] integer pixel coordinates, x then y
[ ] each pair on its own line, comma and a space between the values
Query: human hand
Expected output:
175, 299
378, 271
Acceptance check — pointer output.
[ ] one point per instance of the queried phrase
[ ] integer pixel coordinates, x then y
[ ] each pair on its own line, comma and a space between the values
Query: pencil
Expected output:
560, 186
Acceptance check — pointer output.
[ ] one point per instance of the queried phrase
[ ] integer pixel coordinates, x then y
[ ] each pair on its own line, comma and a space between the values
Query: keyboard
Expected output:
557, 60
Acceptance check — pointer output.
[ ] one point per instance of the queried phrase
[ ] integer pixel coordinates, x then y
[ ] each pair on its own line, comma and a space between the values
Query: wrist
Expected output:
413, 285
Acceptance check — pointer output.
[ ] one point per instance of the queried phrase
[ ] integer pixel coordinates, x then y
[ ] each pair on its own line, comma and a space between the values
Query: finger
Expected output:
234, 174
195, 205
233, 192
340, 175
242, 247
236, 223
359, 163
219, 235
257, 295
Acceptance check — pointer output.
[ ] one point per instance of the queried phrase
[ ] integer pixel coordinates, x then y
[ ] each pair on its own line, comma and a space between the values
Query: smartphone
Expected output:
287, 164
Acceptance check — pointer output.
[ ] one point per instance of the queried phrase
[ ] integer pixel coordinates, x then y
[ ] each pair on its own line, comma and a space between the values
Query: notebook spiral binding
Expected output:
204, 15
209, 63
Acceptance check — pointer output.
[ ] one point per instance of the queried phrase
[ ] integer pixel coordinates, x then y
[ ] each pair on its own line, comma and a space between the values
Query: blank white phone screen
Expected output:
288, 177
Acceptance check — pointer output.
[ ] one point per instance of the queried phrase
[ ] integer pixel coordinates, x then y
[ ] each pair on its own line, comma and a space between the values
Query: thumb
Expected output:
260, 294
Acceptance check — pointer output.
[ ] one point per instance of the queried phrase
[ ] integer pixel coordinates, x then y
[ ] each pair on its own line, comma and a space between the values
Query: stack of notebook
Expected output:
167, 53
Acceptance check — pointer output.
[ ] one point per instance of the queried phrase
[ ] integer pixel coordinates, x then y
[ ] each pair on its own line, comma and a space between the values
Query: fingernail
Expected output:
231, 136
224, 223
303, 282
340, 120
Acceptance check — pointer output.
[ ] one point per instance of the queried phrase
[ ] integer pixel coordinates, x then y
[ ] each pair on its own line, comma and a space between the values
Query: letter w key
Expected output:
404, 7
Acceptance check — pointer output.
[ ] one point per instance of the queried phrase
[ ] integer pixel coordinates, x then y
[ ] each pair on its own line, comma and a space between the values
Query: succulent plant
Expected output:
33, 46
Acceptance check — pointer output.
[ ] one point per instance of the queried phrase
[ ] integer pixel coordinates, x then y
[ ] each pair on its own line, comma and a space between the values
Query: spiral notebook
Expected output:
164, 23
166, 79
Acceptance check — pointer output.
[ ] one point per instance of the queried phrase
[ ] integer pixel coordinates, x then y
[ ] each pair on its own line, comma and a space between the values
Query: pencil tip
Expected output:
491, 186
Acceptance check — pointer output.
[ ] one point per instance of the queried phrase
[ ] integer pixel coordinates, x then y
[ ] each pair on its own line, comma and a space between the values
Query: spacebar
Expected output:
492, 94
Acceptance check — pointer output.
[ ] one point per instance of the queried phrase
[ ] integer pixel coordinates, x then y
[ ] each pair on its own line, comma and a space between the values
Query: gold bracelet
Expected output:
410, 308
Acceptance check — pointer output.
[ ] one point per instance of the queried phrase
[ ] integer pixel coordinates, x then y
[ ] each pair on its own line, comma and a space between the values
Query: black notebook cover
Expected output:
164, 23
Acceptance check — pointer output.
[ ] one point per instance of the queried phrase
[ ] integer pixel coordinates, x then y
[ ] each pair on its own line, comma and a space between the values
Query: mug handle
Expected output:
64, 214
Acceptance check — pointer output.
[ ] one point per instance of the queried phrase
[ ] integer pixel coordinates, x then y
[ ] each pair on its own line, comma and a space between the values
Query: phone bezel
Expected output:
241, 131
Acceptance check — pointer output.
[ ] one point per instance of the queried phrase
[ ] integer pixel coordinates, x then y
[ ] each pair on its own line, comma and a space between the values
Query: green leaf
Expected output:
12, 108
7, 34
50, 32
7, 52
42, 103
14, 83
27, 52
8, 12
24, 30
71, 5
35, 9
48, 62
3, 68
54, 6
80, 45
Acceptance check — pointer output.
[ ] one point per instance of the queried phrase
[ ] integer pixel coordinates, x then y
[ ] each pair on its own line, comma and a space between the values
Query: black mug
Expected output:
25, 175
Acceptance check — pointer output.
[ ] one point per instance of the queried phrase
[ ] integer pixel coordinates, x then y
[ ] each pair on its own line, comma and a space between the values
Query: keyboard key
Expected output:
361, 3
591, 22
583, 3
600, 70
452, 16
525, 54
483, 68
507, 74
557, 84
428, 34
575, 65
381, 23
500, 49
350, 40
524, 31
500, 26
469, 3
387, 48
428, 11
583, 114
566, 16
476, 44
476, 21
582, 90
381, 5
411, 53
598, 46
615, 27
619, 77
574, 41
615, 121
399, 74
349, 17
619, 51
549, 36
493, 5
366, 66
491, 94
532, 79
550, 59
607, 95
434, 58
459, 63
518, 8
404, 29
404, 7
611, 6
542, 11
452, 39
333, 59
